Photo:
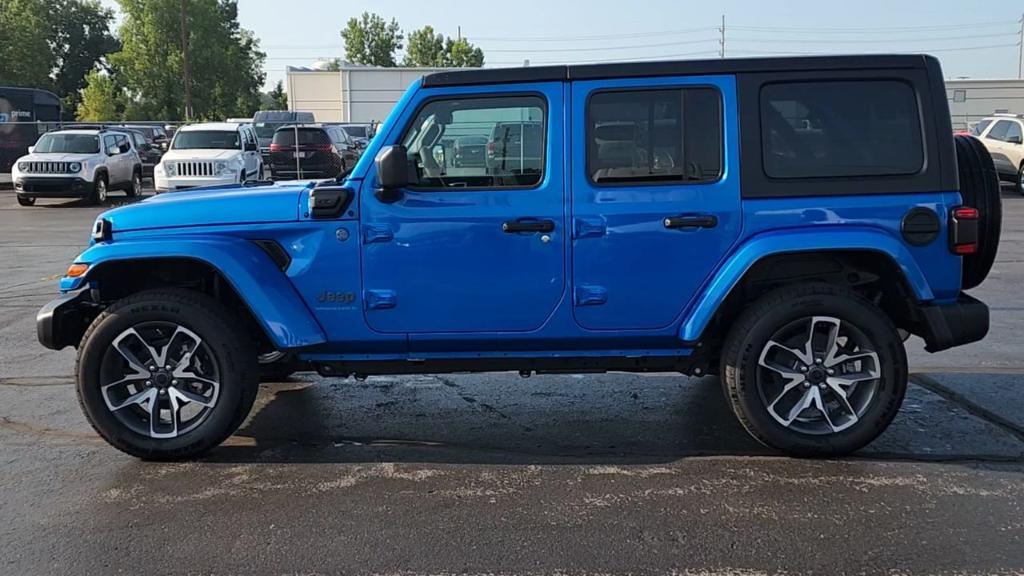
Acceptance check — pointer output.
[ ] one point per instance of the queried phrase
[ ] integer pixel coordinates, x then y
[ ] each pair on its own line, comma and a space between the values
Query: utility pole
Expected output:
1020, 49
186, 73
721, 41
458, 33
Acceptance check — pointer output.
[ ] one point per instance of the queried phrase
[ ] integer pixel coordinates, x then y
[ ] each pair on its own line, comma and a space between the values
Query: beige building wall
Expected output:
353, 94
972, 100
316, 91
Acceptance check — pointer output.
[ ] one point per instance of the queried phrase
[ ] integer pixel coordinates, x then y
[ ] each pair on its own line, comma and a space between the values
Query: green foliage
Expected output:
426, 49
372, 40
278, 97
461, 54
430, 49
53, 44
101, 99
225, 60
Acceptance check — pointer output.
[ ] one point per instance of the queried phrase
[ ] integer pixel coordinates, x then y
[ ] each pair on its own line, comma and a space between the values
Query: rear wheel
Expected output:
1020, 180
814, 370
26, 201
166, 374
135, 188
99, 189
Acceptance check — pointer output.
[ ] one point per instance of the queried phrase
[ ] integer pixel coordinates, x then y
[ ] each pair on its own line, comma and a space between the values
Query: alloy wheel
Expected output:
818, 375
159, 379
101, 190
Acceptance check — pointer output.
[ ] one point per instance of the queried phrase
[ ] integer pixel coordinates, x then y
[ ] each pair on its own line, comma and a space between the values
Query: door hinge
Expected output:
590, 295
590, 227
377, 233
380, 299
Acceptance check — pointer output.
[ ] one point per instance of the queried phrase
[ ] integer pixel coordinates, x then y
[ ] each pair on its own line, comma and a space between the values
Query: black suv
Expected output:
311, 152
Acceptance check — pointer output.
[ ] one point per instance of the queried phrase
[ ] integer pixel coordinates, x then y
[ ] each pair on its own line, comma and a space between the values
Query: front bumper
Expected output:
165, 184
947, 325
63, 321
52, 186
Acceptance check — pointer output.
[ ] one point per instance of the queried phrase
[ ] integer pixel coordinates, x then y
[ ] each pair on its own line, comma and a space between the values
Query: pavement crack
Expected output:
37, 381
973, 408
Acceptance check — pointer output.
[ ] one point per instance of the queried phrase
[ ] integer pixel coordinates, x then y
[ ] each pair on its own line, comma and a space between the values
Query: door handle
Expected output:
691, 221
513, 226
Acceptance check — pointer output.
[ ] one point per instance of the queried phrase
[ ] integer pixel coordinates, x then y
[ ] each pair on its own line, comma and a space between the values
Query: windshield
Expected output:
68, 144
206, 140
355, 131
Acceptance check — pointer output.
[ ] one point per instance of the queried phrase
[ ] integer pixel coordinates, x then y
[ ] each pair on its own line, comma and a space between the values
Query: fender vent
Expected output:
920, 226
278, 254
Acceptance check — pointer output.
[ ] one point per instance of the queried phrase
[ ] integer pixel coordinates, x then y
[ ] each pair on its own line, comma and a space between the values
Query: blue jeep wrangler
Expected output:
783, 223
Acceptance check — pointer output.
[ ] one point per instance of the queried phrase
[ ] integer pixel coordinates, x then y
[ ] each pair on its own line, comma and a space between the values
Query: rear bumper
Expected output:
63, 321
948, 325
52, 187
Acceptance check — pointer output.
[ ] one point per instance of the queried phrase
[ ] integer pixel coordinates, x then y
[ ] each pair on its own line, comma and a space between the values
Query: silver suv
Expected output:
78, 164
1003, 136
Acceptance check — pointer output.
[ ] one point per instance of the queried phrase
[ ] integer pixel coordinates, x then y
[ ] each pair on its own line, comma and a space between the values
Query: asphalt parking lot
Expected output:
494, 474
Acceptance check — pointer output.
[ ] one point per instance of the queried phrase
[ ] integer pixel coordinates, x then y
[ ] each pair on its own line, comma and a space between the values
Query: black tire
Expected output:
99, 189
1019, 184
26, 200
134, 185
756, 326
231, 350
979, 188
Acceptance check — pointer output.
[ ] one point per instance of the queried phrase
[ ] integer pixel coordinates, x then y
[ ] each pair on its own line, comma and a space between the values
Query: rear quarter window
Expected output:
829, 129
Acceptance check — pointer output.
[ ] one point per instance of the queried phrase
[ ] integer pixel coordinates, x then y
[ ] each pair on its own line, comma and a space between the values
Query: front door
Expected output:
655, 196
477, 248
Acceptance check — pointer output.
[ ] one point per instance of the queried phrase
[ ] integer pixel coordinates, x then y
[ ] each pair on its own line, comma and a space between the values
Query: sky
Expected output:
970, 42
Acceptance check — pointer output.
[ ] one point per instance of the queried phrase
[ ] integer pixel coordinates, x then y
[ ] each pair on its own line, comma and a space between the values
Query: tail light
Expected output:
322, 147
963, 230
275, 147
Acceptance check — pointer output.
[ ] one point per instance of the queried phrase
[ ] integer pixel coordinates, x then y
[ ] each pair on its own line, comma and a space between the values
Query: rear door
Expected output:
469, 249
655, 196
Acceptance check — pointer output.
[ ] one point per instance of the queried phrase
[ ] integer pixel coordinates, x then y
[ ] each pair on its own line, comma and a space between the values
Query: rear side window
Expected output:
840, 129
654, 136
304, 136
513, 128
978, 128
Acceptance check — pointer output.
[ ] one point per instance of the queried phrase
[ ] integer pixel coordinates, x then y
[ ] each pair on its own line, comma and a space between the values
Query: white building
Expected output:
354, 93
971, 100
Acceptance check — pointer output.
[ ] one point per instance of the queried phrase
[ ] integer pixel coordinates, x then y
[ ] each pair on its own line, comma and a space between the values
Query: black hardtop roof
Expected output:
673, 68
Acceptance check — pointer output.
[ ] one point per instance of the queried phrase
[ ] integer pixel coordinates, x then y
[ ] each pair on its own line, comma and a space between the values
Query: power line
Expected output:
594, 37
923, 51
597, 49
872, 41
871, 29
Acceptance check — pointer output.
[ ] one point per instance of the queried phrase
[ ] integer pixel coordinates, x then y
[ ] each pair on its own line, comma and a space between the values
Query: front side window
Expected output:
840, 129
110, 143
68, 144
207, 140
998, 132
513, 128
978, 128
1013, 134
651, 136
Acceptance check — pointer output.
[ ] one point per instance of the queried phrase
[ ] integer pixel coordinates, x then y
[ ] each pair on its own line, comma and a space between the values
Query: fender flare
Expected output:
733, 268
267, 292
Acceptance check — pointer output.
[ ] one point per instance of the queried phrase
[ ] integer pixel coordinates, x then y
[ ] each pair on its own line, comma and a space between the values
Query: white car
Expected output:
1003, 136
78, 164
209, 155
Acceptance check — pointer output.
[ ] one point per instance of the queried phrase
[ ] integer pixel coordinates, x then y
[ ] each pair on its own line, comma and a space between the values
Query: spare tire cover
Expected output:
979, 188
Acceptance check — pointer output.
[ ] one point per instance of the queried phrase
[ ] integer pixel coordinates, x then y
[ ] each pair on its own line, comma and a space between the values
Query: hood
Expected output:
57, 157
221, 205
201, 154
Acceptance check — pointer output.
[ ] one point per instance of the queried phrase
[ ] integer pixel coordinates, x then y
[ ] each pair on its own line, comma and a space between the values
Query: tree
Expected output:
80, 39
25, 58
461, 54
224, 60
278, 97
371, 40
101, 99
425, 49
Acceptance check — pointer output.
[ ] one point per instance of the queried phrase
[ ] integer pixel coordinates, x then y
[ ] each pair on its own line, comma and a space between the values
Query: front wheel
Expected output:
26, 201
99, 189
814, 370
165, 374
1019, 184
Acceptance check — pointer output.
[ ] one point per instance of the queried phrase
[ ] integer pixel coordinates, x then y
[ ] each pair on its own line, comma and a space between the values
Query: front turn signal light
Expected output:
76, 270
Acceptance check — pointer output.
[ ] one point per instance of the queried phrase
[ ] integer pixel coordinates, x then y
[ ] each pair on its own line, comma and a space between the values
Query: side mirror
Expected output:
392, 173
31, 149
1014, 139
251, 147
112, 150
438, 153
164, 145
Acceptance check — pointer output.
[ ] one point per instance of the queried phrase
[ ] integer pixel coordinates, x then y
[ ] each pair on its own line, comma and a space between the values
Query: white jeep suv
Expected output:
78, 164
209, 155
